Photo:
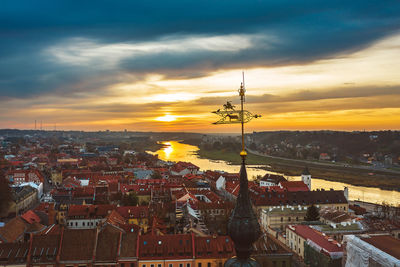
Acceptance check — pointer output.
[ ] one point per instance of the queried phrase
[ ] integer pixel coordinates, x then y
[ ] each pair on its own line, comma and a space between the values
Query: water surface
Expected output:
175, 151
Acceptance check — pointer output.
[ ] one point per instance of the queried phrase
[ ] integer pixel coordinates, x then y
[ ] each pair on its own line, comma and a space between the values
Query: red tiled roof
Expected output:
214, 247
192, 176
274, 178
178, 246
14, 253
116, 219
129, 212
230, 176
128, 245
44, 248
207, 193
358, 210
386, 243
294, 186
77, 245
108, 243
273, 198
180, 166
318, 238
30, 217
84, 191
13, 230
89, 211
232, 187
151, 181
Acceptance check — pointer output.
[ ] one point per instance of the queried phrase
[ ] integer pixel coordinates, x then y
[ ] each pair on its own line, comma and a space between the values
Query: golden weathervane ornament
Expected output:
230, 115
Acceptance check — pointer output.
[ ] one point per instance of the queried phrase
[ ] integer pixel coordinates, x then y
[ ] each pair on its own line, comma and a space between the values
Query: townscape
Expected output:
81, 201
199, 133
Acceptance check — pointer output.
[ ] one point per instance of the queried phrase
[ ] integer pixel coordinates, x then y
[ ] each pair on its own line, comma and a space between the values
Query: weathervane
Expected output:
243, 226
230, 115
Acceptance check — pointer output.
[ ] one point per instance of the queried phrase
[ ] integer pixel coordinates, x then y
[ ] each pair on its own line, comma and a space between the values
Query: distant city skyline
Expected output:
164, 66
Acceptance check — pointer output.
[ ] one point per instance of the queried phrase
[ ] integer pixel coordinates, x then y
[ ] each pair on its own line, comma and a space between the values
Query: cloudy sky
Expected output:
165, 65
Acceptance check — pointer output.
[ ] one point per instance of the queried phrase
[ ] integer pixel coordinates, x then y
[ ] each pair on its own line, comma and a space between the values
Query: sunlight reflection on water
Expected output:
175, 151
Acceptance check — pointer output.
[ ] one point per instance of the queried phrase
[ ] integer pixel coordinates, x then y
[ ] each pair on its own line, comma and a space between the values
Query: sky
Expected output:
166, 65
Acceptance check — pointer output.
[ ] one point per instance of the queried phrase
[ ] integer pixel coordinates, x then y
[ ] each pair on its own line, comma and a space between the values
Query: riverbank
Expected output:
354, 176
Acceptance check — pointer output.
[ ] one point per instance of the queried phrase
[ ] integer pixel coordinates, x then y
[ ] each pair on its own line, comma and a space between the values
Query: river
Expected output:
175, 151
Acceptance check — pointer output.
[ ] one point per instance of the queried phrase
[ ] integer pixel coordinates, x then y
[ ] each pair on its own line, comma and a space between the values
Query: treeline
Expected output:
341, 143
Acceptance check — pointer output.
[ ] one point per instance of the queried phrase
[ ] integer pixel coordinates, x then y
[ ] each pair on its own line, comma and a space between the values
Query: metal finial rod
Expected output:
242, 91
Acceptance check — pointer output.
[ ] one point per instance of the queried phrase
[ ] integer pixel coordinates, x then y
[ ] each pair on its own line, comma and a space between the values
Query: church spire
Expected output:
243, 226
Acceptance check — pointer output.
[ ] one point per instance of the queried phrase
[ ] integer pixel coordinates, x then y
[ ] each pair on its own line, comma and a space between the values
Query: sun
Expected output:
167, 118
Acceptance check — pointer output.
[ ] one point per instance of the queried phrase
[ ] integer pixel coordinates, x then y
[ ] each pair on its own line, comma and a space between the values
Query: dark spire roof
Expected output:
306, 171
243, 225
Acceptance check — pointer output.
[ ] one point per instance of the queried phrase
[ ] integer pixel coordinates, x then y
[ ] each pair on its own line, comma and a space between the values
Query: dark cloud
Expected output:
310, 95
287, 32
337, 93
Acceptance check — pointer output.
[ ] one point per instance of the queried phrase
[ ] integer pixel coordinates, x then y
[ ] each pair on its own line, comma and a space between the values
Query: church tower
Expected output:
306, 177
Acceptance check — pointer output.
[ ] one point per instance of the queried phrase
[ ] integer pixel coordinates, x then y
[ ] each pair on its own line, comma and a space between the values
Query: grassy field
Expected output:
355, 176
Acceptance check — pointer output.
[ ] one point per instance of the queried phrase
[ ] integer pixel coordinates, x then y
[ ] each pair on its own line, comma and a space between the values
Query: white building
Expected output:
306, 178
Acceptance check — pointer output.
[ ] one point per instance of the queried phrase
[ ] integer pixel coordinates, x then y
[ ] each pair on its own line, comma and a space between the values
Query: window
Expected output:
159, 265
76, 223
151, 265
133, 264
180, 264
122, 265
187, 264
83, 223
199, 265
143, 265
297, 219
209, 264
289, 219
281, 219
170, 265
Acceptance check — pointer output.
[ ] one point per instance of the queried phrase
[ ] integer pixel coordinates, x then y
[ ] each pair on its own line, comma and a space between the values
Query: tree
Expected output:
5, 193
217, 145
130, 199
312, 214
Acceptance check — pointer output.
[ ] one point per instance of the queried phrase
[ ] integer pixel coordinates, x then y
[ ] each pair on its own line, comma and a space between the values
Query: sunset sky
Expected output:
165, 65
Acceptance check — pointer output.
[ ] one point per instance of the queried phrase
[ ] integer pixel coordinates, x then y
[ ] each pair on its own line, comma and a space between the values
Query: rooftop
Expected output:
316, 237
286, 210
386, 243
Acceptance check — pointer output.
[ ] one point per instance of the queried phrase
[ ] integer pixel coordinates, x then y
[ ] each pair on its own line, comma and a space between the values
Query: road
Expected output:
336, 165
